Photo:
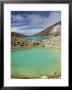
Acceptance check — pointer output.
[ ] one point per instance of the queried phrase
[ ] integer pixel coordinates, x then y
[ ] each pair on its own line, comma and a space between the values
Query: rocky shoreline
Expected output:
53, 42
52, 76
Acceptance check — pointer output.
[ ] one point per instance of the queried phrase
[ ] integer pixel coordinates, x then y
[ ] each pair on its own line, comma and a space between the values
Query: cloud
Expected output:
18, 18
35, 19
44, 21
26, 32
34, 23
53, 18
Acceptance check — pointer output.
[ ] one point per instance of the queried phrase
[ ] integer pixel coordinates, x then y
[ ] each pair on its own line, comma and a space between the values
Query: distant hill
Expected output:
14, 34
52, 30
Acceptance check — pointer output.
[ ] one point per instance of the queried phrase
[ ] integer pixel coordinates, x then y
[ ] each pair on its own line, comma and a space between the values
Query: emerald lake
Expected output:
35, 62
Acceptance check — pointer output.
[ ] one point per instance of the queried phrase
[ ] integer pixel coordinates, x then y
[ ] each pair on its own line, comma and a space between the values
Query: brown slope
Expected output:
14, 34
52, 30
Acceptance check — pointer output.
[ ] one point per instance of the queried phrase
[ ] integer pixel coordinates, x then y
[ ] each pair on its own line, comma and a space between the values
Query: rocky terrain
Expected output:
55, 42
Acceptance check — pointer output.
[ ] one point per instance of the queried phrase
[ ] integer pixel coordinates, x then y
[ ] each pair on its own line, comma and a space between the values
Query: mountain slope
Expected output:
52, 30
14, 34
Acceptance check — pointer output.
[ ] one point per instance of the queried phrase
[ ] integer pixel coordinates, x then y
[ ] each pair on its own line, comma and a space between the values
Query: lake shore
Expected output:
22, 48
52, 76
19, 43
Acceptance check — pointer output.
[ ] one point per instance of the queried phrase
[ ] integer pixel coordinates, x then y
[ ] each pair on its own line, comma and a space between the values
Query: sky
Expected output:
33, 22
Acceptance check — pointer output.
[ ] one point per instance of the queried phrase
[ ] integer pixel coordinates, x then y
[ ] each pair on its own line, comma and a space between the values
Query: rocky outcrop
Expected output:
55, 42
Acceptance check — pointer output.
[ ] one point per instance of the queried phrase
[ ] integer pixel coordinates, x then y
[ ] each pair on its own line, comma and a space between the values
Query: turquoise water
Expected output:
35, 62
36, 37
